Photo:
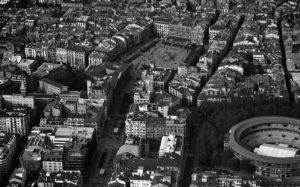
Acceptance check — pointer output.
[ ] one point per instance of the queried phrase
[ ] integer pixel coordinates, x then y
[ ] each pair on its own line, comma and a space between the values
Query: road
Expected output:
110, 144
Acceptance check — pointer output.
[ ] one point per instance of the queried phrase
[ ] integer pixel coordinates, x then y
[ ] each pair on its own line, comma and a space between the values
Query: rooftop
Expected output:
81, 132
62, 177
27, 62
52, 83
45, 68
272, 150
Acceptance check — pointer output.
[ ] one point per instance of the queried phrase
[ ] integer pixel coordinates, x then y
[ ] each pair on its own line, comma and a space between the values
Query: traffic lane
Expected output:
93, 168
107, 142
111, 146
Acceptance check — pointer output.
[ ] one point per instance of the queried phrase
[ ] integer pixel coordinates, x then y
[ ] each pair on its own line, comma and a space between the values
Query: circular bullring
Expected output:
250, 134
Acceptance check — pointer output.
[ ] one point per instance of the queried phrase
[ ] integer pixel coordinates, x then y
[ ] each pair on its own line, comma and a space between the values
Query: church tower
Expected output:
23, 88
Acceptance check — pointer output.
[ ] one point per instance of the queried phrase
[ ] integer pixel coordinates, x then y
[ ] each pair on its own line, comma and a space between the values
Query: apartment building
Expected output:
17, 120
52, 87
176, 126
53, 160
7, 152
161, 28
77, 57
155, 128
61, 178
18, 99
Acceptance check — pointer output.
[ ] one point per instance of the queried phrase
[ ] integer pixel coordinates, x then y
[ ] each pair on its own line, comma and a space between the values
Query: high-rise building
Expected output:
16, 120
77, 57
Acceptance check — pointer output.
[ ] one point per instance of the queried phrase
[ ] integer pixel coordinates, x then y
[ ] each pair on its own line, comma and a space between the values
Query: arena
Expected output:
271, 143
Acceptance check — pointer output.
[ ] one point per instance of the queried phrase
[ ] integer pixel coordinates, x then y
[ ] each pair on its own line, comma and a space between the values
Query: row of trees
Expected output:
283, 61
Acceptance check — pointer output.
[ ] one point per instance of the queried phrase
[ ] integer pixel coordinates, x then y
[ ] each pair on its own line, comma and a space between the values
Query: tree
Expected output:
190, 7
174, 2
216, 158
57, 12
233, 164
226, 155
247, 166
209, 124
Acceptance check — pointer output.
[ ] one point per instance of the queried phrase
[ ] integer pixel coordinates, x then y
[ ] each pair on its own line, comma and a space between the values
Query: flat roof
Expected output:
236, 145
272, 150
45, 68
64, 131
26, 62
81, 132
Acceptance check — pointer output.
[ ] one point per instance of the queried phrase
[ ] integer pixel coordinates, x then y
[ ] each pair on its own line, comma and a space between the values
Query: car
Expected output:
102, 159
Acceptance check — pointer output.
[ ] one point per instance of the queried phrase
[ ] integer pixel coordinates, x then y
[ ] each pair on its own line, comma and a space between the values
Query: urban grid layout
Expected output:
149, 93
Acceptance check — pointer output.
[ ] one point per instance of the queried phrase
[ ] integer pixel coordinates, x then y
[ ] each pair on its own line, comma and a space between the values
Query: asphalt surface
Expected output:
109, 143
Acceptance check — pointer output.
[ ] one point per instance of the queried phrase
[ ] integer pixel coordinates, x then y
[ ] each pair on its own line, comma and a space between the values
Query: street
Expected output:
110, 144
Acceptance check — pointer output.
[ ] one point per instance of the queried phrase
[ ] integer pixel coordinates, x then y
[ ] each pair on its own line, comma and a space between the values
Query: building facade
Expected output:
7, 152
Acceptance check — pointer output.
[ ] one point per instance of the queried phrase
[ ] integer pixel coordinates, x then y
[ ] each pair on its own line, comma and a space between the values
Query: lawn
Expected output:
166, 56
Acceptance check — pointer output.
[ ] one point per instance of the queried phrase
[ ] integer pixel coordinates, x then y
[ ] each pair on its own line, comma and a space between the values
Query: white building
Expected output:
17, 121
139, 179
167, 145
3, 2
66, 134
18, 99
141, 97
